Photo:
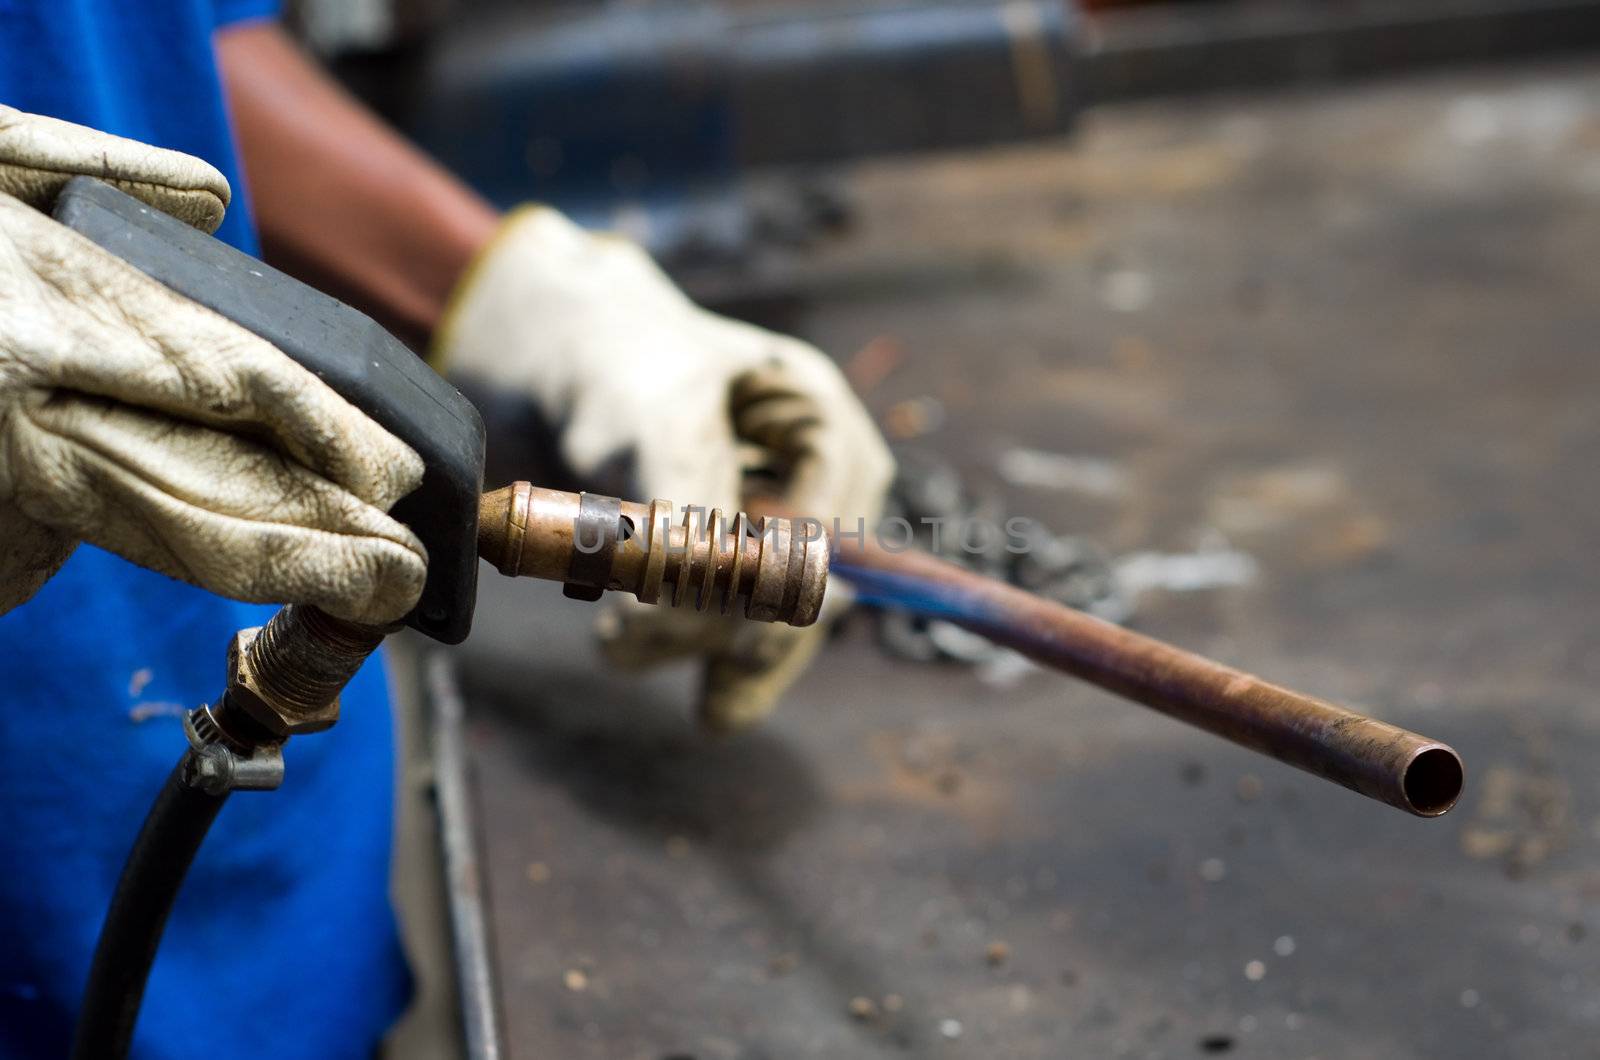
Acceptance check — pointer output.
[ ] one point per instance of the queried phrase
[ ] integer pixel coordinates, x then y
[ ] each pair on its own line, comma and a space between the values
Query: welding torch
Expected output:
284, 678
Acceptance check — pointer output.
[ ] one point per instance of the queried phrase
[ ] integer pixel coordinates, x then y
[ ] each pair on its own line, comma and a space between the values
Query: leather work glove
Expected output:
708, 411
137, 420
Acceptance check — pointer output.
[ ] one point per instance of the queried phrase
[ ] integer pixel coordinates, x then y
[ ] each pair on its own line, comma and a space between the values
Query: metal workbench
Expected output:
1349, 334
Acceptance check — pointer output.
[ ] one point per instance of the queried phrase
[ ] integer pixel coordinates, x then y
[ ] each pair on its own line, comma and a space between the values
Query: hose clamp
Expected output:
216, 768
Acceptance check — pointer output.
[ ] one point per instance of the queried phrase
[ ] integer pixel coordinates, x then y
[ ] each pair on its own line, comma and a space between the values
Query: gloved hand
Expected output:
135, 419
710, 411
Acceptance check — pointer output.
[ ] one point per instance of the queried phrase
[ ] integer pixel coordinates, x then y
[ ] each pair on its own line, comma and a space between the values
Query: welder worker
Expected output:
203, 475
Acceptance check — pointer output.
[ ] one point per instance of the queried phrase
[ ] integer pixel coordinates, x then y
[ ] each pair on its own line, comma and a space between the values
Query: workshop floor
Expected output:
1352, 335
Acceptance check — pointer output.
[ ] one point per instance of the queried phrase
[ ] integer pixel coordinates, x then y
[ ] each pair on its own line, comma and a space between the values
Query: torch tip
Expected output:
1433, 780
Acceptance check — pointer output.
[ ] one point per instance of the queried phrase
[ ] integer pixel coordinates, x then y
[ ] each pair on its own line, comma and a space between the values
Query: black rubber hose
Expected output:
173, 831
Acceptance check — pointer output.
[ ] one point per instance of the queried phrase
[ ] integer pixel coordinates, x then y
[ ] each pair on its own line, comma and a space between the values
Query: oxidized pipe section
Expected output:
1379, 760
773, 570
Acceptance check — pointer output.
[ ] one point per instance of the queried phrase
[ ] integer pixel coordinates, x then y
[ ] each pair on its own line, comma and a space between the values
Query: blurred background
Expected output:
1278, 317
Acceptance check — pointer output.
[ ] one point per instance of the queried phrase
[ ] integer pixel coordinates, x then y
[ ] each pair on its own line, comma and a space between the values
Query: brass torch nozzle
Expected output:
774, 570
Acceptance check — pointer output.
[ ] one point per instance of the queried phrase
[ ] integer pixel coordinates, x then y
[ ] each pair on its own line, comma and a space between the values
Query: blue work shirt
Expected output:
282, 943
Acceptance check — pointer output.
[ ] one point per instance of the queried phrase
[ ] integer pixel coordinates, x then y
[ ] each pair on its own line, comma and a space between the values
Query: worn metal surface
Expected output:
1348, 336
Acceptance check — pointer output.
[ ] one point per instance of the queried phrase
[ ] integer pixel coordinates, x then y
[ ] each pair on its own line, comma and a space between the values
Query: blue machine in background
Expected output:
646, 116
702, 126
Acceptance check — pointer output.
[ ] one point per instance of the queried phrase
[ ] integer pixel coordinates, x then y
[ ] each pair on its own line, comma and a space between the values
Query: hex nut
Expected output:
279, 718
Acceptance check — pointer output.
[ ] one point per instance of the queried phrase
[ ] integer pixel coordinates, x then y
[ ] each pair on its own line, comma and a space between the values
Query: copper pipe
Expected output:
1379, 760
535, 532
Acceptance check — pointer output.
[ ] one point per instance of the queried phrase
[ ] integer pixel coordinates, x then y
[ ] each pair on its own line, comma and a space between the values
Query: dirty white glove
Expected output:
38, 155
135, 419
608, 348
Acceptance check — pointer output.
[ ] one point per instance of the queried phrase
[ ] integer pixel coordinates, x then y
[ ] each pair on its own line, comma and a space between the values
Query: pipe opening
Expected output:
1433, 781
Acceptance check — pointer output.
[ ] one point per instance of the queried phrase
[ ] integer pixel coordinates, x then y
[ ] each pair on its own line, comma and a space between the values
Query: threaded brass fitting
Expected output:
775, 570
286, 676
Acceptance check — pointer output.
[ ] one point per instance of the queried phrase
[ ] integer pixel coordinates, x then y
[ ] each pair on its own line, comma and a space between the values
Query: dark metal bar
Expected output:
458, 837
1379, 760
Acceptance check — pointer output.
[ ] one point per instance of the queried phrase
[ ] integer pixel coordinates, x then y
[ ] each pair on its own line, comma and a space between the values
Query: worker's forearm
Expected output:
340, 198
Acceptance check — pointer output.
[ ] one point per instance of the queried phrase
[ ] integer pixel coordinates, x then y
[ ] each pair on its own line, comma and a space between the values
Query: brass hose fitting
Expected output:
774, 570
284, 678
